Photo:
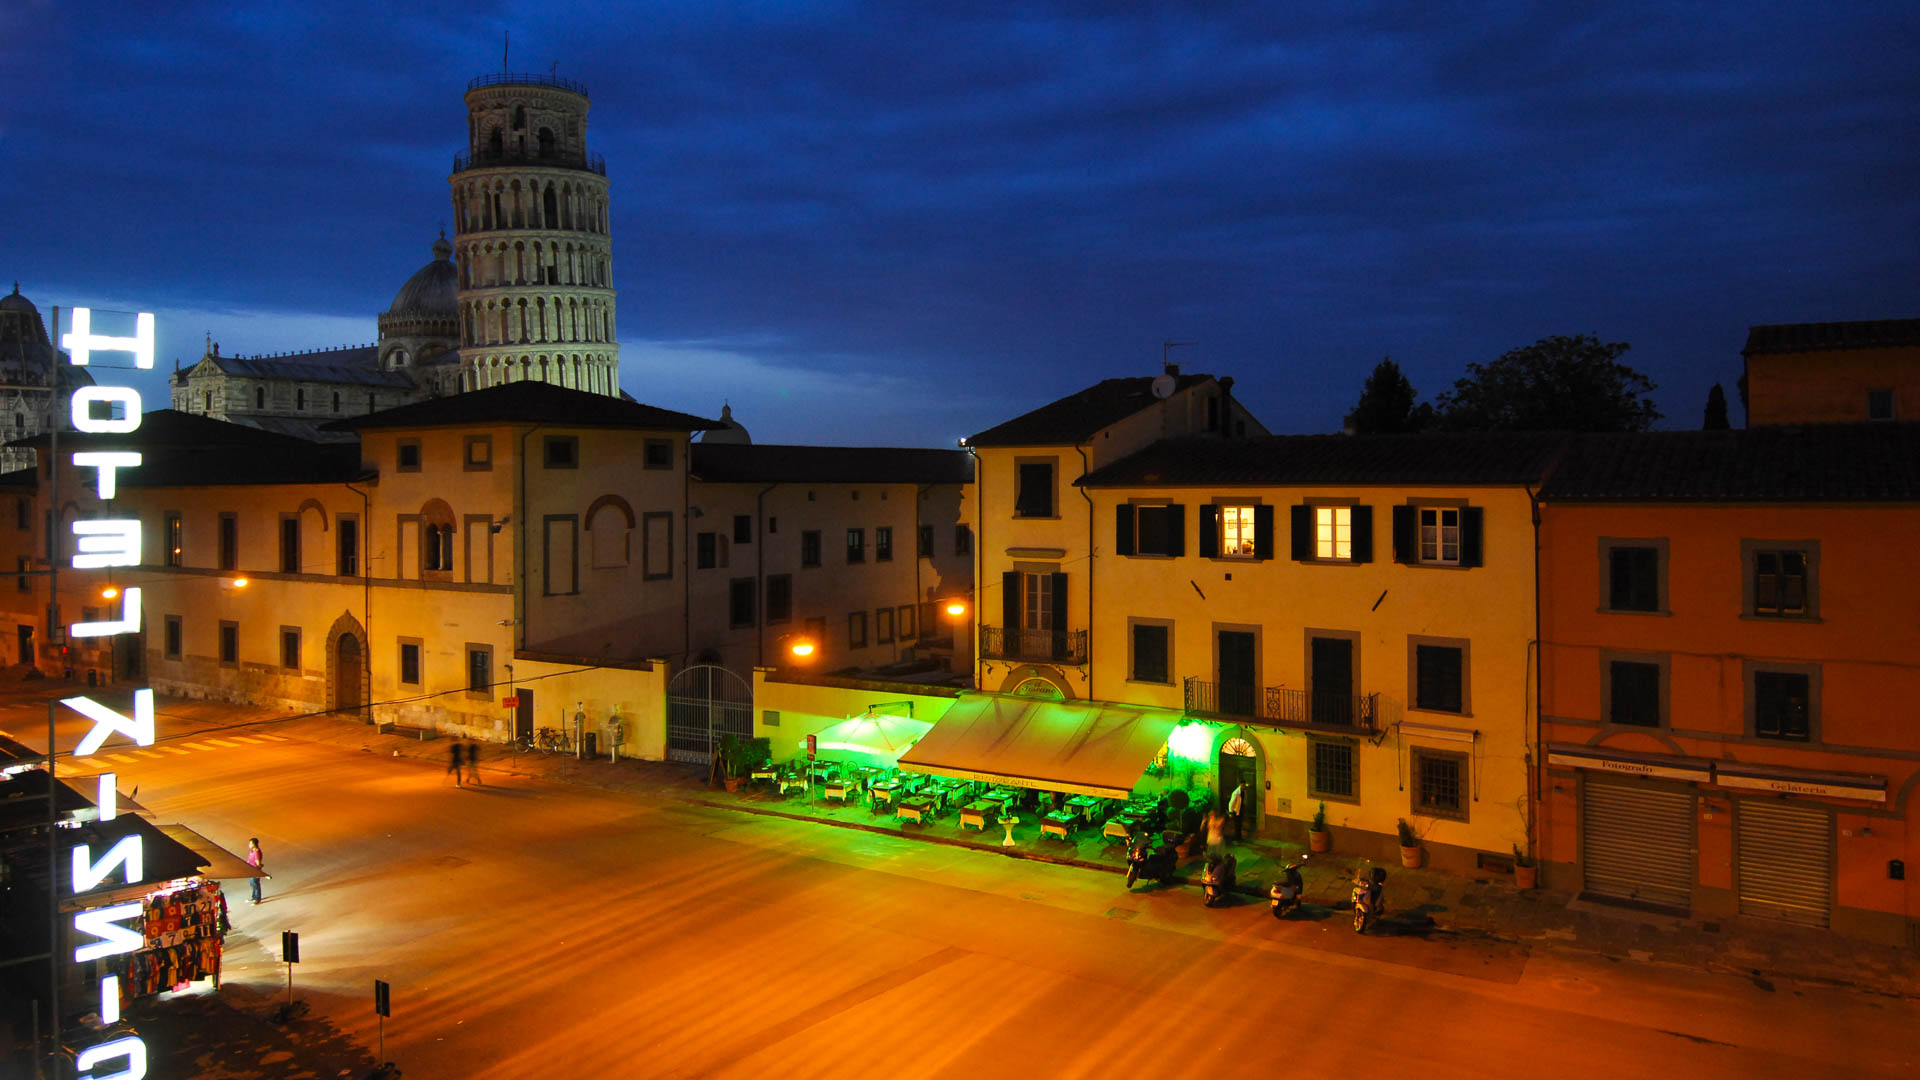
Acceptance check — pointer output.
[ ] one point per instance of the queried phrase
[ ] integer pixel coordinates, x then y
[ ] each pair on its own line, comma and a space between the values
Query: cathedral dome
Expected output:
730, 432
18, 303
433, 289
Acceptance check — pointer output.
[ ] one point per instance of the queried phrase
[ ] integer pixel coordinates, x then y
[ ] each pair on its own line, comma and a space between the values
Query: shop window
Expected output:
1782, 578
883, 543
1330, 770
740, 603
1034, 489
1439, 674
1151, 652
779, 598
810, 548
1633, 575
1439, 783
1150, 529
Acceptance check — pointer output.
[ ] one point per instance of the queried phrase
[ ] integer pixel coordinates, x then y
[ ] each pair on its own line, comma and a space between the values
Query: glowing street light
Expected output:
802, 648
109, 593
956, 608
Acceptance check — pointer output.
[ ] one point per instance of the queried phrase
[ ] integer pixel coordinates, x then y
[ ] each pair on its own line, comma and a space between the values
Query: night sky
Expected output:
875, 225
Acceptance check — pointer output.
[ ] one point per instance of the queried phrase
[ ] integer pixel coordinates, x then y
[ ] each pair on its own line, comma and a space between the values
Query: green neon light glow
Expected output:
1190, 742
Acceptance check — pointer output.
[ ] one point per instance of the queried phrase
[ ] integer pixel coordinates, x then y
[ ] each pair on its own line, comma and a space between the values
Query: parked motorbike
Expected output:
1288, 890
1369, 898
1146, 859
1219, 878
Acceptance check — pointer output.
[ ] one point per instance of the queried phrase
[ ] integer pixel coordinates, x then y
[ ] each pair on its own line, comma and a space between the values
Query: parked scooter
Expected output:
1219, 878
1369, 898
1146, 859
1288, 890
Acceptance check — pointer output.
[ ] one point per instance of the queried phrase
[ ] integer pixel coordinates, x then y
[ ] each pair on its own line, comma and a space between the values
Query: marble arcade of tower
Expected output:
531, 243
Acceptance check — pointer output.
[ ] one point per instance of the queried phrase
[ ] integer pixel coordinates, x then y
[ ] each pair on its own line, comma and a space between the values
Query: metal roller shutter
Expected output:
1636, 842
1785, 856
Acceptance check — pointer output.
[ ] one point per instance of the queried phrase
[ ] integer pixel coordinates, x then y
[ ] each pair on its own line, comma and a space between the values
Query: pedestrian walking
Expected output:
455, 759
1237, 810
1216, 834
258, 860
473, 761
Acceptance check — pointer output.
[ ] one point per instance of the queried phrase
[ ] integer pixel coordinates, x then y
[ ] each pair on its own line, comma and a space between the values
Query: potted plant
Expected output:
1526, 874
1318, 838
731, 759
1409, 846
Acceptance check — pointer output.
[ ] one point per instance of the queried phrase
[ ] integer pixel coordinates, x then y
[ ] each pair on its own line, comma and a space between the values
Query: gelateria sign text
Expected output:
106, 541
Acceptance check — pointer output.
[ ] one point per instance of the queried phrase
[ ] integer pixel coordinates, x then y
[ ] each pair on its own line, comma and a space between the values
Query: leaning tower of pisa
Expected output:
534, 256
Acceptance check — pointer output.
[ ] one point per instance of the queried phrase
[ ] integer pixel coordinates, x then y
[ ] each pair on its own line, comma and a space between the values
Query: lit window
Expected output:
1333, 532
1236, 532
1439, 535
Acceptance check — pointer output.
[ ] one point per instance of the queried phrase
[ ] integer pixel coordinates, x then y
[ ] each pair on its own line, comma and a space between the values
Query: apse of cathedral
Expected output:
524, 291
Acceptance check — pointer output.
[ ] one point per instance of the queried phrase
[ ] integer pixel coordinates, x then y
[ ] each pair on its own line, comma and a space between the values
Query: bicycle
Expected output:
554, 741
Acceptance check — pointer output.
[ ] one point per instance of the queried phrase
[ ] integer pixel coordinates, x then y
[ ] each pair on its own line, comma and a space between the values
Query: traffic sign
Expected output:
813, 746
510, 702
382, 1003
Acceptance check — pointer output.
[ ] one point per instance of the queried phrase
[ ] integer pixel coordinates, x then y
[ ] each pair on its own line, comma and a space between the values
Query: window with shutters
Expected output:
1436, 535
810, 547
708, 552
1333, 533
1439, 783
856, 546
883, 543
1439, 670
1033, 488
1151, 651
1330, 769
1633, 576
1633, 689
1150, 530
1782, 578
1783, 701
1036, 609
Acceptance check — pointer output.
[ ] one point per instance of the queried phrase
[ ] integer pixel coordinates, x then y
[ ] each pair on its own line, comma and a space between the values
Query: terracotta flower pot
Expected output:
1526, 877
1319, 840
1410, 856
733, 784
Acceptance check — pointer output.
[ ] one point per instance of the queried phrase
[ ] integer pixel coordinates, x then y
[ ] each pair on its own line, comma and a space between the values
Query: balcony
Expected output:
492, 159
1055, 646
1280, 707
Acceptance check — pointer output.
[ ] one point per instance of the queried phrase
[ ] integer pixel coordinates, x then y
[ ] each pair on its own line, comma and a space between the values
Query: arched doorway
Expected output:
347, 675
1240, 764
705, 702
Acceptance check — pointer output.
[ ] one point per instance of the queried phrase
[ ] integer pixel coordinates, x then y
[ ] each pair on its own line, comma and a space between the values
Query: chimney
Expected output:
1173, 369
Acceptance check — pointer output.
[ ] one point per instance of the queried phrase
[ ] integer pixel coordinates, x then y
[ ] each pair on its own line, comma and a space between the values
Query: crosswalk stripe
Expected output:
145, 753
173, 750
223, 743
275, 738
244, 739
198, 746
121, 758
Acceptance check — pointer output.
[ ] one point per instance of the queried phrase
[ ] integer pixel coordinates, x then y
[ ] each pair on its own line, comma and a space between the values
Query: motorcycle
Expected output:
1219, 878
1155, 862
1288, 890
1369, 898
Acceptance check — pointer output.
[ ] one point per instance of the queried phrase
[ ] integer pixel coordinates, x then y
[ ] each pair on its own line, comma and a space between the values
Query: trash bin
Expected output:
591, 742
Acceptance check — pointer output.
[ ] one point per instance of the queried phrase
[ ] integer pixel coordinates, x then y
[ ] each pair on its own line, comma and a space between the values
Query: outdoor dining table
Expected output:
792, 783
917, 809
1060, 824
978, 812
1122, 825
841, 789
764, 772
884, 792
824, 770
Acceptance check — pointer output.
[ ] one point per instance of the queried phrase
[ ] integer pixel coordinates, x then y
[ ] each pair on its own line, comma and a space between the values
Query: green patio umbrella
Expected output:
870, 738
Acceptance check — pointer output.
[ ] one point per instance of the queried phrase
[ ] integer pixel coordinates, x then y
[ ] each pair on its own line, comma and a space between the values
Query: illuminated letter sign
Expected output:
109, 542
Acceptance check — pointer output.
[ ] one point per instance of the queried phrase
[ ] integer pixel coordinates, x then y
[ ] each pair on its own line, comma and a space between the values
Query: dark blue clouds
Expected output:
947, 218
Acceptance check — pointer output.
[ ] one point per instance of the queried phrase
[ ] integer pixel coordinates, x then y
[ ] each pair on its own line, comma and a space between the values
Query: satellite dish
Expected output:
1163, 386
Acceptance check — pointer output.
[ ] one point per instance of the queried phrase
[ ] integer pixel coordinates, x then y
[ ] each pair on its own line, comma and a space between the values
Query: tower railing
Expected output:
489, 159
525, 78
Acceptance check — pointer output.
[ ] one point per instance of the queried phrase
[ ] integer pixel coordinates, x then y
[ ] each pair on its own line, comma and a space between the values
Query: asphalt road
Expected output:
532, 930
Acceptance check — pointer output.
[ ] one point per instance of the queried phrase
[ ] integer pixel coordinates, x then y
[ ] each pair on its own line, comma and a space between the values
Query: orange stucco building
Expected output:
1835, 372
1729, 664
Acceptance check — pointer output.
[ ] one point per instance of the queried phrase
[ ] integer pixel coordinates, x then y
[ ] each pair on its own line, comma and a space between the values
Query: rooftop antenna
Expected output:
1167, 347
506, 44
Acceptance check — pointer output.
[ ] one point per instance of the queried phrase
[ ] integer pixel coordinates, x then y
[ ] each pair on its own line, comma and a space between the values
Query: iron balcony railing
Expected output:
1277, 705
493, 159
522, 78
1010, 643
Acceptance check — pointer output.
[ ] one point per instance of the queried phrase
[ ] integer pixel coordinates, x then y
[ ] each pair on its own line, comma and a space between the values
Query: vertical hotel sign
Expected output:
104, 542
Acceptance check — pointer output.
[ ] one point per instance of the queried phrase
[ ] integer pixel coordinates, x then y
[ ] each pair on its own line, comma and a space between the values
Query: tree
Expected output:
1716, 410
1386, 404
1554, 384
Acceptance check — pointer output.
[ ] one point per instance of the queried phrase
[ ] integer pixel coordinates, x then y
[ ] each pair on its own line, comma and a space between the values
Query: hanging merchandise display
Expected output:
185, 935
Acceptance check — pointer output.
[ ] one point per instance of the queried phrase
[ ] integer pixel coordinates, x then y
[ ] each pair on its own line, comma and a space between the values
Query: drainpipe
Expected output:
1539, 764
760, 576
979, 562
520, 544
1086, 467
366, 592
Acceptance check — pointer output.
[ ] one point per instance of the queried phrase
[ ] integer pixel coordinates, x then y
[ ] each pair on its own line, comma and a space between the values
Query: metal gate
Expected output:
1785, 858
1636, 842
705, 702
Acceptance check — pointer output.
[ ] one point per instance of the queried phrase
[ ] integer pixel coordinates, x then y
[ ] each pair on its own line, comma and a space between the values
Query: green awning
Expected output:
1080, 747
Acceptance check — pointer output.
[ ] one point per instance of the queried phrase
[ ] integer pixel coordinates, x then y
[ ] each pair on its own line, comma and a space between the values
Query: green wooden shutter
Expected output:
1209, 531
1010, 600
1363, 534
1176, 529
1123, 529
1406, 534
1263, 531
1302, 532
1470, 531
